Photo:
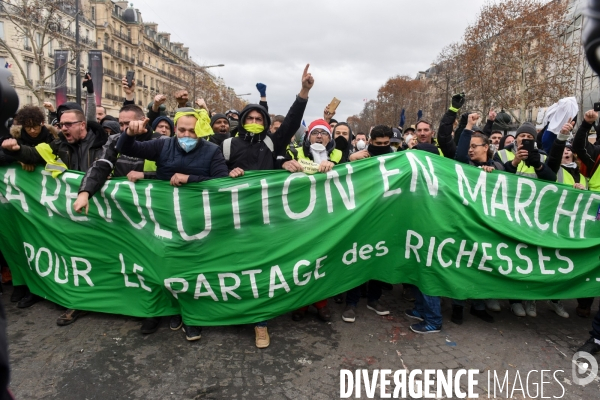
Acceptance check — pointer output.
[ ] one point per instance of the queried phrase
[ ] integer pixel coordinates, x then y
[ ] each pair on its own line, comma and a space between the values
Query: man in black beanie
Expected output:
220, 126
525, 161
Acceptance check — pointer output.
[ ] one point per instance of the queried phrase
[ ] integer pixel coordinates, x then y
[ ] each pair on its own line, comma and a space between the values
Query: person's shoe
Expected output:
407, 294
69, 316
192, 332
583, 312
387, 286
175, 323
530, 308
558, 308
590, 346
414, 314
482, 314
493, 305
339, 299
423, 327
518, 310
377, 307
19, 292
262, 337
457, 315
324, 314
298, 315
28, 300
150, 325
349, 314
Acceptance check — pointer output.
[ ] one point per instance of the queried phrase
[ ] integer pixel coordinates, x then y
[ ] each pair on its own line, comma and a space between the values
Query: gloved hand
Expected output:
262, 89
88, 84
457, 101
534, 159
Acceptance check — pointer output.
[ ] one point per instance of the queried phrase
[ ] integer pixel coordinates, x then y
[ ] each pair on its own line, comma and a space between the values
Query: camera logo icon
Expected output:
582, 363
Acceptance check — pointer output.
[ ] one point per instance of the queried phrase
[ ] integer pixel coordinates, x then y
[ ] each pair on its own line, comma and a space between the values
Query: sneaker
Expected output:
530, 308
558, 308
590, 346
324, 314
349, 314
175, 323
19, 292
423, 327
28, 300
192, 332
457, 315
414, 314
262, 337
377, 307
482, 314
150, 325
493, 305
518, 310
69, 316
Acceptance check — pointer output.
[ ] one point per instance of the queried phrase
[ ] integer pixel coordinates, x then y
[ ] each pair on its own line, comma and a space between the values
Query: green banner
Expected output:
234, 251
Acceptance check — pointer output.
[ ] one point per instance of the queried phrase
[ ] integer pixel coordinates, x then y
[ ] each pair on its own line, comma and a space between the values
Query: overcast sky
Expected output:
353, 46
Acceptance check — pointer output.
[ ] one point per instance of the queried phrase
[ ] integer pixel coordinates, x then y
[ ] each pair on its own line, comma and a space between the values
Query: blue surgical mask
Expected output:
187, 143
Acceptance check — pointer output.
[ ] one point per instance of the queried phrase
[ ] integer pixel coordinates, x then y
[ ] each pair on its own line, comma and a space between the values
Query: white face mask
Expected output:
361, 145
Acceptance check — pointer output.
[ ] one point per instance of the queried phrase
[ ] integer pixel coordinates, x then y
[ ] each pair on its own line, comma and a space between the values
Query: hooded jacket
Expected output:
77, 156
47, 135
168, 120
249, 151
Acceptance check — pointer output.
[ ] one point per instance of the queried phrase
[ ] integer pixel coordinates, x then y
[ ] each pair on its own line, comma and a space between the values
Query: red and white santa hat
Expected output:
319, 124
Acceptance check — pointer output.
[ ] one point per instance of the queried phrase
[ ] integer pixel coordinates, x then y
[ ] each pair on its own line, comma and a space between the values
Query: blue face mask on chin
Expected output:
187, 143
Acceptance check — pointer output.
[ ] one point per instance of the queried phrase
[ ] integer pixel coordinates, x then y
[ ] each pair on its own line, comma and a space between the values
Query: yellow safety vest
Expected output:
564, 176
594, 182
149, 166
522, 169
298, 154
54, 164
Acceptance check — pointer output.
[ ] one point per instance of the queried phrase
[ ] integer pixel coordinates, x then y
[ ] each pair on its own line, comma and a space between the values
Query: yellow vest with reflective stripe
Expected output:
149, 166
564, 176
335, 156
54, 164
594, 182
522, 169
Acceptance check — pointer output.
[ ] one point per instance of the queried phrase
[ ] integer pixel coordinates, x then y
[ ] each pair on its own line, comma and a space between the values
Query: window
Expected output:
1, 30
38, 40
73, 81
29, 99
28, 70
94, 14
2, 62
50, 49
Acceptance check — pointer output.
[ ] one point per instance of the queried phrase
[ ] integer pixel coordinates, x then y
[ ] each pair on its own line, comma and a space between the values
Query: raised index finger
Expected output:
306, 69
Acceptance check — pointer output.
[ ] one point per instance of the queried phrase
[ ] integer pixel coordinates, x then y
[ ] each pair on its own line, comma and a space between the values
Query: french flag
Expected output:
7, 65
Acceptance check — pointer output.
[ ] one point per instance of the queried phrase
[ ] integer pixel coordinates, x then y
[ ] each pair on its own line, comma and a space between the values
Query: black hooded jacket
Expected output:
249, 151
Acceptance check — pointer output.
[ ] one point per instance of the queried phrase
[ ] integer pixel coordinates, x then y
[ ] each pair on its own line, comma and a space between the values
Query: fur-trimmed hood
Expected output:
17, 130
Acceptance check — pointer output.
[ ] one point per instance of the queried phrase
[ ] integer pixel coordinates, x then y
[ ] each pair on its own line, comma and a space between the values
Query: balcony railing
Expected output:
111, 96
27, 48
122, 36
112, 74
119, 54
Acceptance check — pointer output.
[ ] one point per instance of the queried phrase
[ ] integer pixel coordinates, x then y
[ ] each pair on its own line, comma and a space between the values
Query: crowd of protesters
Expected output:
199, 144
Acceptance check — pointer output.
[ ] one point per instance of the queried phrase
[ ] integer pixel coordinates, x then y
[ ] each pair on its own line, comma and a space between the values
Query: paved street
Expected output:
105, 357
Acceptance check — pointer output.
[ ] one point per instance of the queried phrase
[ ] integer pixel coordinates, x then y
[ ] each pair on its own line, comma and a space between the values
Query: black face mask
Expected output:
341, 143
378, 150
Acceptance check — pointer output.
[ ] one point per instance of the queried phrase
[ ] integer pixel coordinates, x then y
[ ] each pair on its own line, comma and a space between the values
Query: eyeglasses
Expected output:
317, 133
474, 146
68, 125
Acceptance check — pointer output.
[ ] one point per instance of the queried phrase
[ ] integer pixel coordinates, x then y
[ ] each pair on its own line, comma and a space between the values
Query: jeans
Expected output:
478, 304
429, 307
262, 324
373, 293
